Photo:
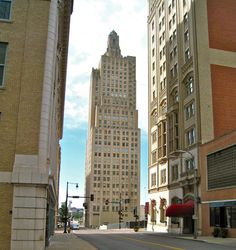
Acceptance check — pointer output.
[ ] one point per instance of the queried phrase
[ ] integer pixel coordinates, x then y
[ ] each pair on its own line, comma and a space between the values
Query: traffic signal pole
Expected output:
91, 197
120, 212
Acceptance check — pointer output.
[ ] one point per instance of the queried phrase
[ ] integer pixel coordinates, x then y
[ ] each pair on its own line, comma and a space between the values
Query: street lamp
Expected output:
66, 209
195, 218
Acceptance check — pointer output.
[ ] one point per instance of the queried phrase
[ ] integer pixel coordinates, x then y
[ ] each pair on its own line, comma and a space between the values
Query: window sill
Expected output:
6, 21
2, 88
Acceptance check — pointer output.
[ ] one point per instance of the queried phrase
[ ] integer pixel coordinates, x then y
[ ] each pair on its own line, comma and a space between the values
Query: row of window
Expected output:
175, 174
126, 173
97, 167
162, 178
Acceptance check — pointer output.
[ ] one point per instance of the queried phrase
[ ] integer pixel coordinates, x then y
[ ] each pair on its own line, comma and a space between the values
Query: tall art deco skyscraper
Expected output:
113, 145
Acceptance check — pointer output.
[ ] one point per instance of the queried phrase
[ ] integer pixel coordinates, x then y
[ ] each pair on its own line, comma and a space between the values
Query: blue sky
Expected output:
91, 23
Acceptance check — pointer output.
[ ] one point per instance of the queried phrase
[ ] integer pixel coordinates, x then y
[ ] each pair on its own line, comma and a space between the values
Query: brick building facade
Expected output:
33, 59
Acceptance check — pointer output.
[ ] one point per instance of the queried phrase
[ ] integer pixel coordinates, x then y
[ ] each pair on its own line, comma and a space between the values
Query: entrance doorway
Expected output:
188, 225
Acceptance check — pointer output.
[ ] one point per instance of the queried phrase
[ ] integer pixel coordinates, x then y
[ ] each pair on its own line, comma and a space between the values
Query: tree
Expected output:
62, 212
78, 215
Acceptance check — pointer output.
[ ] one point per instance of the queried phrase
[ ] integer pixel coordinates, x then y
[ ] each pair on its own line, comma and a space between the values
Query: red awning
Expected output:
180, 210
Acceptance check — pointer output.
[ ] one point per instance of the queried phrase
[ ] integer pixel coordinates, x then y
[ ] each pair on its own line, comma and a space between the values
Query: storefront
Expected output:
223, 214
182, 211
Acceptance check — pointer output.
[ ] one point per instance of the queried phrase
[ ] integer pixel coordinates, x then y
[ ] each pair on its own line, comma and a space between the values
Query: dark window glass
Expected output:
223, 217
5, 9
3, 48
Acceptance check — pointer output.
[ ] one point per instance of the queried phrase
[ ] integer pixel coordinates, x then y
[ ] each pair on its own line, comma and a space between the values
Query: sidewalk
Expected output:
230, 242
69, 241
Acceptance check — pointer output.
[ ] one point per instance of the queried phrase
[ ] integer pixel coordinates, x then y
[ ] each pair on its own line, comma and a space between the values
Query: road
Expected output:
128, 240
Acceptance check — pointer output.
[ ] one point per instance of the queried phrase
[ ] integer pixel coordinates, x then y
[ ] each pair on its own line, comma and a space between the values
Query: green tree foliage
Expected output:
62, 212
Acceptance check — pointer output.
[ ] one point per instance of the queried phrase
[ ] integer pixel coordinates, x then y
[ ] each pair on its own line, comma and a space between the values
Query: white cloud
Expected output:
91, 23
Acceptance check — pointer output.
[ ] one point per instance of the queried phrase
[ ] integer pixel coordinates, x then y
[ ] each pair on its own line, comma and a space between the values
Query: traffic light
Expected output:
92, 197
135, 211
121, 215
85, 205
107, 202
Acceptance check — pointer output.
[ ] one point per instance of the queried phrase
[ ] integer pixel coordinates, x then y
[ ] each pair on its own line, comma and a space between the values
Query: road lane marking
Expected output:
152, 243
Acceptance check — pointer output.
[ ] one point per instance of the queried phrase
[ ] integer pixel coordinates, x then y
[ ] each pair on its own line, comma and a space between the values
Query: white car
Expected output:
74, 226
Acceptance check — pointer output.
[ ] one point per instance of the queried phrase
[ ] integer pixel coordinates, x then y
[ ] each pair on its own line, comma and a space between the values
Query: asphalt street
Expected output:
107, 240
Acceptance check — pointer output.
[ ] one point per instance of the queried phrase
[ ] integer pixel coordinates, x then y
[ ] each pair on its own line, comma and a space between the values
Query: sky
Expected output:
91, 23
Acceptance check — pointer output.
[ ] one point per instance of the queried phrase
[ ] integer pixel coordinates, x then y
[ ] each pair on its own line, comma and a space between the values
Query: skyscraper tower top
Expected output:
113, 47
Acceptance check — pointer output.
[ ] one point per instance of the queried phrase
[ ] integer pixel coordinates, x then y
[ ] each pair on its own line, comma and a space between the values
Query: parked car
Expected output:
74, 225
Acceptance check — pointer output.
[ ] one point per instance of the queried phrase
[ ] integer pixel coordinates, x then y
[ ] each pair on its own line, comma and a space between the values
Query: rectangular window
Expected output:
154, 157
152, 25
175, 173
160, 70
153, 39
223, 216
175, 51
187, 55
189, 86
174, 34
153, 95
160, 54
174, 19
175, 70
153, 80
153, 179
186, 36
3, 50
154, 137
173, 3
190, 137
163, 176
153, 52
186, 18
189, 111
189, 165
5, 9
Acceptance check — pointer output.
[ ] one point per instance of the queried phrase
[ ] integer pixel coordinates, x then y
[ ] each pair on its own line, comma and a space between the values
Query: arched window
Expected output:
153, 211
162, 210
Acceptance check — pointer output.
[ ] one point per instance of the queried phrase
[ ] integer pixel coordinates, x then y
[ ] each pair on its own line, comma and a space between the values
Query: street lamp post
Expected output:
66, 208
195, 191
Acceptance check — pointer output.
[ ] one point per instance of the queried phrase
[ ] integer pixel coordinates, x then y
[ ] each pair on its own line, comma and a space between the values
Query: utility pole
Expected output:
120, 212
73, 196
66, 212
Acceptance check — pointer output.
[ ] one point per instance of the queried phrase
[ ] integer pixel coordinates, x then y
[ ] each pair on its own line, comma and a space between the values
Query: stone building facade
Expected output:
191, 69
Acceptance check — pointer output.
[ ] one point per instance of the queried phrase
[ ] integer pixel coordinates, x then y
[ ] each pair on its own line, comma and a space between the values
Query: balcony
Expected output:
187, 178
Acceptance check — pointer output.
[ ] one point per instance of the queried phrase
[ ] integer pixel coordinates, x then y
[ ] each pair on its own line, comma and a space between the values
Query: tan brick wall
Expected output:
20, 101
6, 191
